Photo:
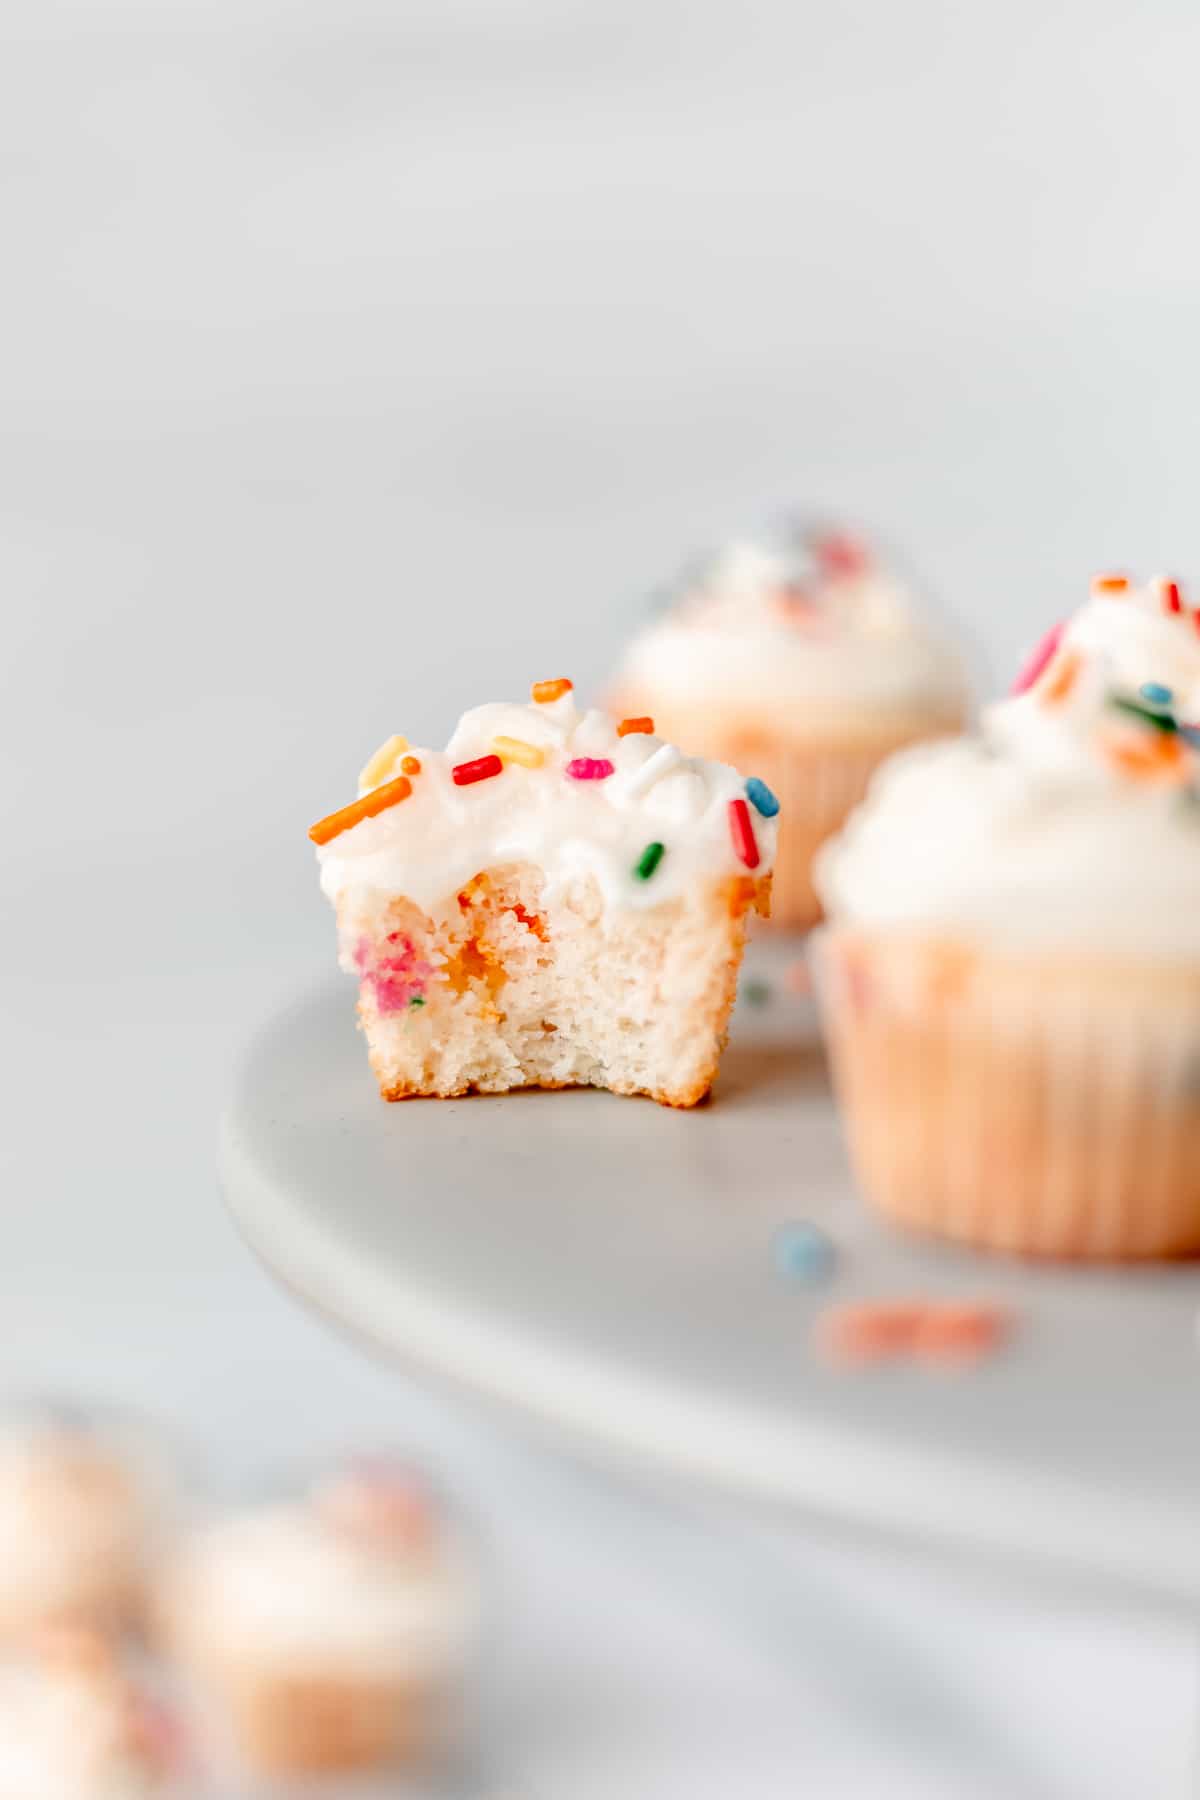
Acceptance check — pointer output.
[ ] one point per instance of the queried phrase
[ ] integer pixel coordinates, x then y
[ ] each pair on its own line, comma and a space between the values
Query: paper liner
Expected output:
1048, 1107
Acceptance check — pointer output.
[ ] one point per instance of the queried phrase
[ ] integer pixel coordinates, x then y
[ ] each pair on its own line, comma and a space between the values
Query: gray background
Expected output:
363, 360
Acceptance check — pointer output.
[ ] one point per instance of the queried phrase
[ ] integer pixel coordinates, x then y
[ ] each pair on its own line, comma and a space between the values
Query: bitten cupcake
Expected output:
1011, 975
84, 1501
330, 1633
803, 660
554, 900
74, 1726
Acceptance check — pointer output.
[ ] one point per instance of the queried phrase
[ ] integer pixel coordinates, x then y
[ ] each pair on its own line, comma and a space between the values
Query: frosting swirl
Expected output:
545, 784
1042, 831
809, 616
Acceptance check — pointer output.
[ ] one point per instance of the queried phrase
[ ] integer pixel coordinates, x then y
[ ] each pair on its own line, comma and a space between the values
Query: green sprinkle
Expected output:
1162, 721
649, 860
755, 992
417, 1000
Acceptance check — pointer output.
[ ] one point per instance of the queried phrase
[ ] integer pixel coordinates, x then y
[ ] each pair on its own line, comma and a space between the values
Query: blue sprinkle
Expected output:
803, 1251
1156, 693
761, 798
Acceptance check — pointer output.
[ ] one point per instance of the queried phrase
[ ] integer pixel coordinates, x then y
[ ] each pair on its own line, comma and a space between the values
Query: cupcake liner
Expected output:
1041, 1106
818, 779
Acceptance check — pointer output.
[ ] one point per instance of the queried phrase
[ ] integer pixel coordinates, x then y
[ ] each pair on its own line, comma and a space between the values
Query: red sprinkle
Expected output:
1172, 599
741, 830
482, 769
1032, 667
590, 768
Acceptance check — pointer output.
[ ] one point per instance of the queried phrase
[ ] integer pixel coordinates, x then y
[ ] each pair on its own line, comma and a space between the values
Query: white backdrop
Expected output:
365, 358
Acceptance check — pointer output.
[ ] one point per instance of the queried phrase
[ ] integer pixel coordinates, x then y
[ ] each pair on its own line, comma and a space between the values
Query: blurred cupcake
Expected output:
801, 661
1011, 975
74, 1726
329, 1633
84, 1501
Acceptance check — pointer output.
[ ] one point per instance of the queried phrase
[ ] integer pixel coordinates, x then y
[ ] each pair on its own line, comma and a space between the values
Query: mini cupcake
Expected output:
74, 1726
1011, 975
554, 900
806, 662
330, 1633
84, 1501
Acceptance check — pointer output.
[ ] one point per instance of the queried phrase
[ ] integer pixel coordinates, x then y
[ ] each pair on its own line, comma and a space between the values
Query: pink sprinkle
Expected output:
1032, 668
590, 768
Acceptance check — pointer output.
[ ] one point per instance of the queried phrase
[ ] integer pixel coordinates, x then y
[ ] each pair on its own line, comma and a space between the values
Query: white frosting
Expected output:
284, 1584
1138, 640
773, 625
1031, 835
64, 1735
430, 845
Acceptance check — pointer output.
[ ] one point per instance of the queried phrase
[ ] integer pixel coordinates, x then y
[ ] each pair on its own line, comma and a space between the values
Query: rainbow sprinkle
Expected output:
1171, 597
1161, 721
632, 727
377, 801
665, 758
410, 765
761, 798
544, 692
802, 1251
741, 830
1156, 693
1110, 584
518, 751
481, 769
1037, 661
649, 860
383, 762
590, 768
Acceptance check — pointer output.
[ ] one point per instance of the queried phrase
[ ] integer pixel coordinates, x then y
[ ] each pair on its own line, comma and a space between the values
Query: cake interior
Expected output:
518, 987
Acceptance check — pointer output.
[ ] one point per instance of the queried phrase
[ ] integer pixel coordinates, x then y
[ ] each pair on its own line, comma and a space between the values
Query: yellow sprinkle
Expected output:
518, 751
383, 762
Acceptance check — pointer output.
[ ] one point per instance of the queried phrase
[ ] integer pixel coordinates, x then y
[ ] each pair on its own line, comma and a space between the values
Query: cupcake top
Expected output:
571, 792
1138, 635
1071, 821
810, 617
82, 1500
364, 1572
74, 1727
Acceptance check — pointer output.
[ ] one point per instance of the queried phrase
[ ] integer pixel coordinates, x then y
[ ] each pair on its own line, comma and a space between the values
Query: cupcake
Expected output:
74, 1726
328, 1633
554, 900
806, 662
84, 1500
1011, 973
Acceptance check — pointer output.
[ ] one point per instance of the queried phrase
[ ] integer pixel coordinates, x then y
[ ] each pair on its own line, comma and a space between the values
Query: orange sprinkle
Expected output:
518, 751
1171, 597
869, 1330
410, 765
628, 726
546, 691
377, 801
1110, 584
1060, 680
1157, 758
959, 1333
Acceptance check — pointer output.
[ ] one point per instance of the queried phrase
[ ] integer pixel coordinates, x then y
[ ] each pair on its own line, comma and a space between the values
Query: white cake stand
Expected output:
606, 1265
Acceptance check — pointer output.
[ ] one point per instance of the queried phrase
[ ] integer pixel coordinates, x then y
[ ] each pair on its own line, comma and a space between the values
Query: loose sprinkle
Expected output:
934, 1331
1110, 584
802, 1251
636, 727
742, 832
383, 761
1038, 659
1161, 721
590, 768
761, 798
1171, 597
546, 691
417, 1000
649, 860
411, 765
755, 992
377, 801
1156, 693
481, 769
665, 758
518, 751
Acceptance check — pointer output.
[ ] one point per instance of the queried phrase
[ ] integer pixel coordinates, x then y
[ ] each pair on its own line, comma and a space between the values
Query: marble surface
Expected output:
363, 358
